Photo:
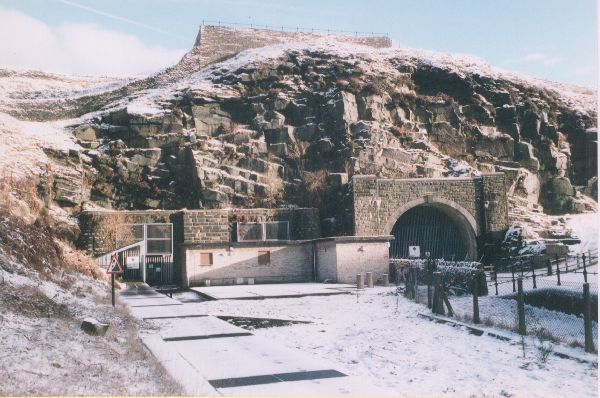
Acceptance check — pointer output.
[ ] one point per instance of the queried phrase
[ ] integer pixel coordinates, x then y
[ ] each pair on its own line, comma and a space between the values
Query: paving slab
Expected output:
341, 386
284, 290
245, 356
209, 356
199, 327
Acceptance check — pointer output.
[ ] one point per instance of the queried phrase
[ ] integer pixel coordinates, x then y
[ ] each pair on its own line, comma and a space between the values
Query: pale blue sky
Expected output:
551, 39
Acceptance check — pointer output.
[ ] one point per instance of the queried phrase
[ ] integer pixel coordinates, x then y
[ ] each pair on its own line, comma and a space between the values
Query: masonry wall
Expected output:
216, 43
326, 260
97, 227
352, 258
291, 262
376, 201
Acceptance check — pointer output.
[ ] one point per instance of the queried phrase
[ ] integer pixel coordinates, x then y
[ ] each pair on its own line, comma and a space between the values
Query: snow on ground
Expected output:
22, 144
43, 351
378, 337
585, 227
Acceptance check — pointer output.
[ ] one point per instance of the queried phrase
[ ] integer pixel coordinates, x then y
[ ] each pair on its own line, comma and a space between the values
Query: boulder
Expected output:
557, 195
492, 143
209, 119
372, 107
280, 149
85, 133
92, 327
146, 157
344, 107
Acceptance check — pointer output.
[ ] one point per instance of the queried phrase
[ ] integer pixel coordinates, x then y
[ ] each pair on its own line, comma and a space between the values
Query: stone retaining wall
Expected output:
217, 43
481, 201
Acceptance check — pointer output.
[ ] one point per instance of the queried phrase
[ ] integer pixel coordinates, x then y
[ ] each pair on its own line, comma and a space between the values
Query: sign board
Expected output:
414, 251
133, 262
114, 267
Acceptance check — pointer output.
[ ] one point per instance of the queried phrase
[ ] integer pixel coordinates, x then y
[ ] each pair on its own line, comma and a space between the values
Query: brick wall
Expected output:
217, 43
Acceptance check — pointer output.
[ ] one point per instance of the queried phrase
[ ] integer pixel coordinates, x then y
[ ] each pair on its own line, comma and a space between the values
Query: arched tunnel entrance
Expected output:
437, 229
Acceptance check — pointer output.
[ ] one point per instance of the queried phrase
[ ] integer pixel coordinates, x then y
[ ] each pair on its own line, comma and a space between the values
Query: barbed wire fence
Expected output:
555, 300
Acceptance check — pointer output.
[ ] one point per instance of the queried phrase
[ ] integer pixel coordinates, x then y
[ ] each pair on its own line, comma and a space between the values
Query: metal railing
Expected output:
294, 29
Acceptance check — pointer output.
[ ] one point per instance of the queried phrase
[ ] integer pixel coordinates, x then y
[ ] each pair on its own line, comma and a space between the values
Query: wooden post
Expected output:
566, 264
589, 257
587, 318
496, 281
476, 300
533, 274
415, 284
549, 265
429, 297
578, 261
513, 278
407, 284
369, 279
521, 307
584, 269
359, 281
386, 280
557, 272
438, 299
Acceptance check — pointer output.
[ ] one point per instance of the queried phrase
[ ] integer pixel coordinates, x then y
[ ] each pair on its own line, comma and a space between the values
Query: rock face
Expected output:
264, 128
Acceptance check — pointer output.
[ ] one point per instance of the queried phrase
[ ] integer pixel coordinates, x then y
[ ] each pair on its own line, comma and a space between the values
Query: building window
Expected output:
159, 238
263, 231
264, 257
206, 259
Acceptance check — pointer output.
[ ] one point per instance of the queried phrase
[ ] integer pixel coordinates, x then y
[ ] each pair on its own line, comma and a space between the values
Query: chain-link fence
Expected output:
556, 300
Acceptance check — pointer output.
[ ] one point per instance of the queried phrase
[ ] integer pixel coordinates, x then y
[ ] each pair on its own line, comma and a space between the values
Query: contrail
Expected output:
118, 18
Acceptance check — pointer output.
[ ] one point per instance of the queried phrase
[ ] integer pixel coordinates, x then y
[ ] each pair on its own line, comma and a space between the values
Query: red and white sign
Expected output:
114, 267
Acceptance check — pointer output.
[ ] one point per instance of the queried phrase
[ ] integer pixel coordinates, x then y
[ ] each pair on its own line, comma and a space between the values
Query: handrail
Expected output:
294, 29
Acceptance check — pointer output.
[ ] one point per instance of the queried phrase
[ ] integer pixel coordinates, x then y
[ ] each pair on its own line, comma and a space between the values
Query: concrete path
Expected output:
280, 290
209, 356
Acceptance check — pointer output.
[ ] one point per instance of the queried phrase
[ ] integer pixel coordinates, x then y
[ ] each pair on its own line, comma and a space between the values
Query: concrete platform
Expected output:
209, 356
286, 290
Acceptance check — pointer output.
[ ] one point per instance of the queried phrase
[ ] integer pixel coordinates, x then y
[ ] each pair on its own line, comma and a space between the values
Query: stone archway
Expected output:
438, 226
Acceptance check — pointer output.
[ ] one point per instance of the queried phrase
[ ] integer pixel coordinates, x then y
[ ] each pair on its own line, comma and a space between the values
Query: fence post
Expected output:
521, 308
513, 278
578, 264
584, 269
415, 284
476, 299
369, 279
549, 265
589, 257
359, 281
496, 281
429, 298
407, 289
557, 271
533, 274
566, 264
587, 318
438, 303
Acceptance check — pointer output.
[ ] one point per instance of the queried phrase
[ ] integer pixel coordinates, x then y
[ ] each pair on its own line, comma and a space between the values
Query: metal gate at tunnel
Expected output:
432, 230
149, 258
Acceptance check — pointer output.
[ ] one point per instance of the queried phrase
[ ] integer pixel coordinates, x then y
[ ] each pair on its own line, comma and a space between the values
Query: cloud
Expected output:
541, 58
77, 48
